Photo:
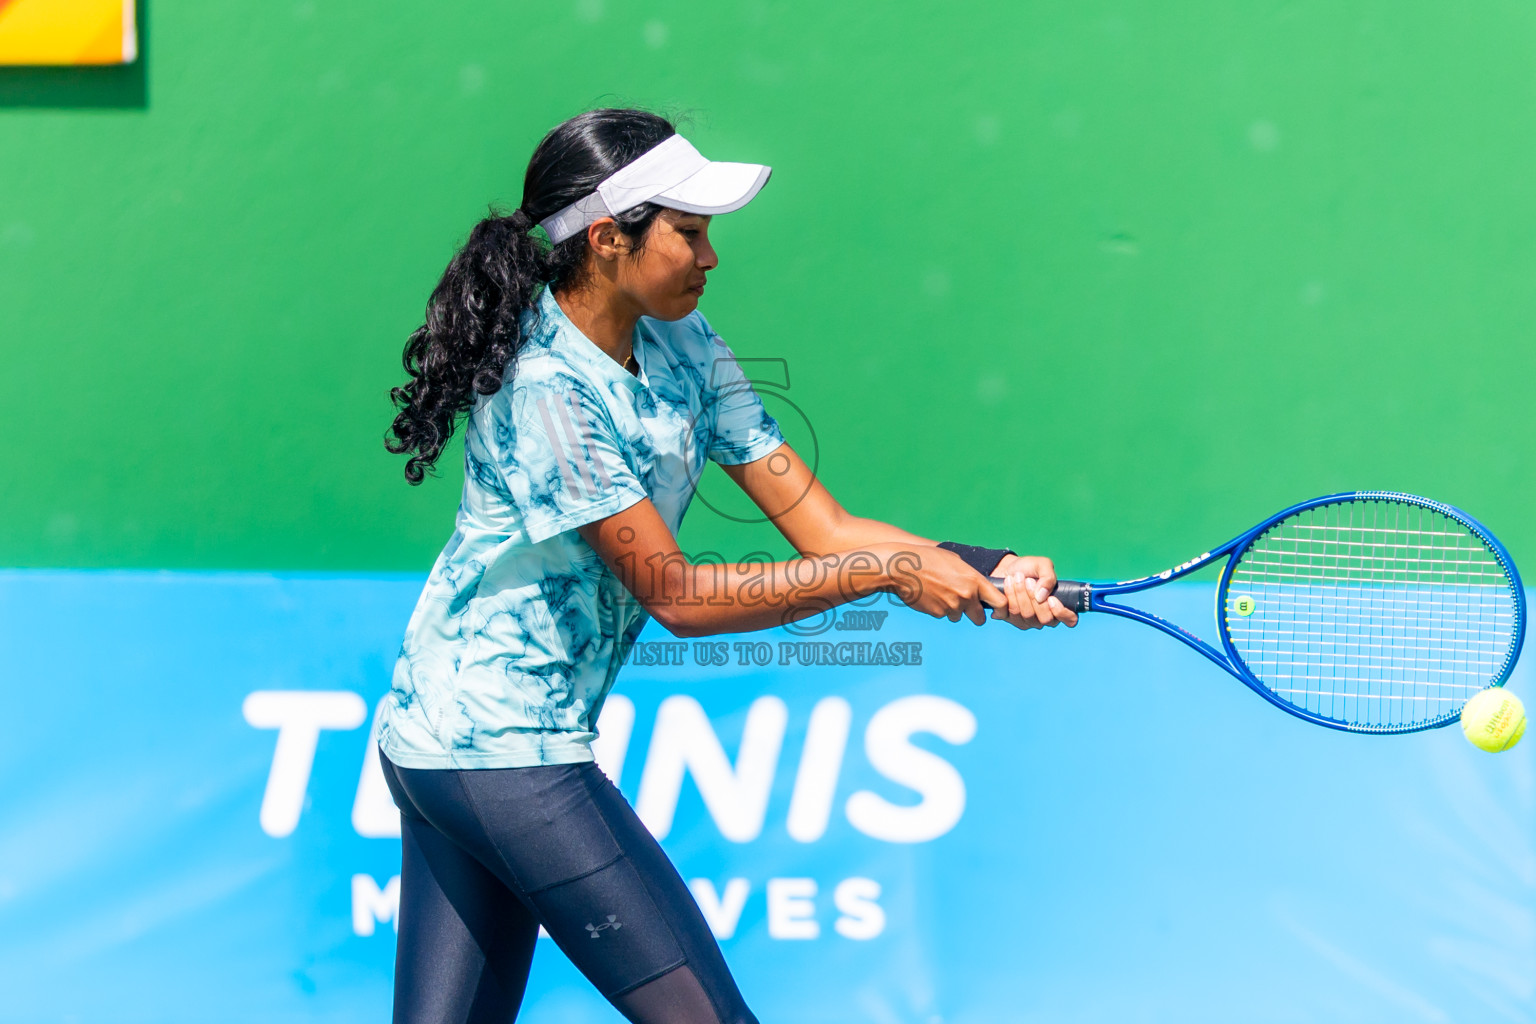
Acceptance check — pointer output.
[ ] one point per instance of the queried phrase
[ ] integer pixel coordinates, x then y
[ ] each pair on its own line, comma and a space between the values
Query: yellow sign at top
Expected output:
68, 32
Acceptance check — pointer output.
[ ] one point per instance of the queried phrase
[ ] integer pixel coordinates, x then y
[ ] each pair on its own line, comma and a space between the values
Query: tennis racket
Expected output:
1369, 611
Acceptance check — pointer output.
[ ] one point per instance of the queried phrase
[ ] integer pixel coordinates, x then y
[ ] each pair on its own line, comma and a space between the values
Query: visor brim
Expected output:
716, 188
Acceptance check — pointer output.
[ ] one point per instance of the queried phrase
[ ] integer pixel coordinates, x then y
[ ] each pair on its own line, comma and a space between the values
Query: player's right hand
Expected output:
939, 583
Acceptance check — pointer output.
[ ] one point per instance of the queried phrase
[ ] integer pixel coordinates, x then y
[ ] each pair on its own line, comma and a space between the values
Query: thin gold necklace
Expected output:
632, 364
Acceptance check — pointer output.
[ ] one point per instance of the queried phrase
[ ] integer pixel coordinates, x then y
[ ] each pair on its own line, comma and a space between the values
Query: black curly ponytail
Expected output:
473, 326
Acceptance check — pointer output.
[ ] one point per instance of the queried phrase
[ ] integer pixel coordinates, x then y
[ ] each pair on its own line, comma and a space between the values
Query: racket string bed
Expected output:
1377, 613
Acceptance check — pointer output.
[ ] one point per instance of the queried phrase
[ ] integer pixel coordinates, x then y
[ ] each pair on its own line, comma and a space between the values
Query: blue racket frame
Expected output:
1233, 663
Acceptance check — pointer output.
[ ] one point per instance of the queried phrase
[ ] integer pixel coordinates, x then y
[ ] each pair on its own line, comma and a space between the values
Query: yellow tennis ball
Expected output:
1493, 719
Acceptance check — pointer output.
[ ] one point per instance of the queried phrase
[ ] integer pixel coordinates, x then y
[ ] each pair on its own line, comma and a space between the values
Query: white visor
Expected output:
671, 174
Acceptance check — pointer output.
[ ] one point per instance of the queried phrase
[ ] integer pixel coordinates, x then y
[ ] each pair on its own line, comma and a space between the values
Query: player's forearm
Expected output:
704, 600
850, 533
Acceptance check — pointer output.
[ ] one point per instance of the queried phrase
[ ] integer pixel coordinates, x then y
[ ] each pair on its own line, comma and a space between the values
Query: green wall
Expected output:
1103, 280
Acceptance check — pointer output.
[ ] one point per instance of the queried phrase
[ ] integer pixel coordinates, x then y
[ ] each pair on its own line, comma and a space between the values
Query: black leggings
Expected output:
492, 853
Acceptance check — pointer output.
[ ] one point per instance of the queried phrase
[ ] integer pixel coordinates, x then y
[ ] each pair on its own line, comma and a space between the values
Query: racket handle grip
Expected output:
1076, 596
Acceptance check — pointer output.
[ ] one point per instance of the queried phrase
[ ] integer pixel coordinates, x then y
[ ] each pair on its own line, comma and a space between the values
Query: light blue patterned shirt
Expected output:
521, 628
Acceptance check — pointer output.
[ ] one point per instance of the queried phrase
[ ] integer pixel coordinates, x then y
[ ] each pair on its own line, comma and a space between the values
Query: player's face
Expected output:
666, 278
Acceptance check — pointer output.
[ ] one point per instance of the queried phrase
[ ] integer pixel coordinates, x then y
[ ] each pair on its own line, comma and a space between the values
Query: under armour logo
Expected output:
596, 929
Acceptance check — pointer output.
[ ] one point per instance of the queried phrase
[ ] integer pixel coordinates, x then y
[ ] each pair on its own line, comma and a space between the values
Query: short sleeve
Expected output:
559, 458
742, 429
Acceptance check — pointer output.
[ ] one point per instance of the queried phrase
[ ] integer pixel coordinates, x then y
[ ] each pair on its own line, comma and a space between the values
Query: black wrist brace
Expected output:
983, 560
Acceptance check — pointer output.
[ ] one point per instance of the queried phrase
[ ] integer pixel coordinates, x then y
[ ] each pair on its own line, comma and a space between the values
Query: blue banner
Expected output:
891, 820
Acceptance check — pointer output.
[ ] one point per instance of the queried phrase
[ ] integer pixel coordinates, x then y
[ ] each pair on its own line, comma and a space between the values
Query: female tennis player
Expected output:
566, 336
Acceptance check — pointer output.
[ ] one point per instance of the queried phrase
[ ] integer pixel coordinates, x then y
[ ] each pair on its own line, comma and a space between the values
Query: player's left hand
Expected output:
1031, 605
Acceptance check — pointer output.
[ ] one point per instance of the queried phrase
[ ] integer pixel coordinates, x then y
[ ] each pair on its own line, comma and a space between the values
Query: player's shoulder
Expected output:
538, 377
543, 369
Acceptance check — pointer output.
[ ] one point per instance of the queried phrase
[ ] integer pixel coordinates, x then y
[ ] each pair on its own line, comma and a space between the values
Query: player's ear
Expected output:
605, 240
